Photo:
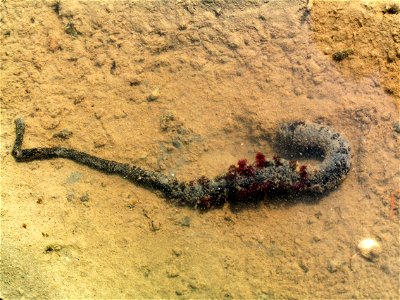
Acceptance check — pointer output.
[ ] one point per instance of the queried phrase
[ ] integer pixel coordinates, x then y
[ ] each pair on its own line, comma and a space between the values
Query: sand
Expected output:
187, 88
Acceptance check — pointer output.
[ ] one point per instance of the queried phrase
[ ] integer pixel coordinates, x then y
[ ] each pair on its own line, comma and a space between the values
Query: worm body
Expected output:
243, 182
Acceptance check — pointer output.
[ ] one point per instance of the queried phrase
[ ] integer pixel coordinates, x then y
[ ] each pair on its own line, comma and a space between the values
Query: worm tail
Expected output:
132, 173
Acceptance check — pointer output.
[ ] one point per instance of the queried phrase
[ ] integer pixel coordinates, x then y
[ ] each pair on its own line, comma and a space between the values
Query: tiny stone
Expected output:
99, 113
78, 100
155, 94
386, 269
233, 43
229, 296
327, 50
182, 26
386, 117
113, 68
169, 148
316, 239
132, 99
318, 79
99, 143
119, 114
162, 165
132, 203
172, 272
186, 221
339, 56
53, 247
176, 143
134, 82
63, 134
155, 226
297, 91
70, 196
228, 219
84, 197
71, 30
218, 12
318, 215
369, 248
53, 44
303, 267
333, 266
177, 252
193, 285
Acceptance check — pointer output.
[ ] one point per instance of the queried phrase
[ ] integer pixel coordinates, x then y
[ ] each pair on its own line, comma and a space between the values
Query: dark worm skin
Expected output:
244, 182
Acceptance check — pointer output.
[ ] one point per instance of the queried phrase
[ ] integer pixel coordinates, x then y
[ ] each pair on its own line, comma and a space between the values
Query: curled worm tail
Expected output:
315, 138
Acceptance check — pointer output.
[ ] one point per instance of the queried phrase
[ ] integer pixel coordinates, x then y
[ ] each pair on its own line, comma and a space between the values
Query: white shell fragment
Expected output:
369, 248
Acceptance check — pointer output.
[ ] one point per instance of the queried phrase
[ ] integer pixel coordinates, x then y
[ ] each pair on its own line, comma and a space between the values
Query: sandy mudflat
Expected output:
188, 87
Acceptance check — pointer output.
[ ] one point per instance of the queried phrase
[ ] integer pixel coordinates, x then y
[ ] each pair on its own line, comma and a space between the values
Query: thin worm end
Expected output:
20, 121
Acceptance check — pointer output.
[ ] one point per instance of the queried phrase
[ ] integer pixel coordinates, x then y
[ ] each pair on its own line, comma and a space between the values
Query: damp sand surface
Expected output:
187, 88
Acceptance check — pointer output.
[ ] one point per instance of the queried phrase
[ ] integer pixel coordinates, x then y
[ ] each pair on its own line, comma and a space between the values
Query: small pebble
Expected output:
177, 252
155, 94
135, 82
78, 99
53, 44
172, 272
369, 248
99, 113
334, 265
316, 239
101, 142
186, 221
386, 117
318, 79
340, 55
177, 143
297, 91
70, 196
120, 114
155, 226
71, 30
52, 247
84, 197
63, 134
218, 12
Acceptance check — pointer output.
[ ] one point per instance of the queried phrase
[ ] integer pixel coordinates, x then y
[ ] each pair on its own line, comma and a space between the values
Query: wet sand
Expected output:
187, 88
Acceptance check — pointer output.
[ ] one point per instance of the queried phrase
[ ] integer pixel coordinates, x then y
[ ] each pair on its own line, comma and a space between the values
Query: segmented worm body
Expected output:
243, 182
